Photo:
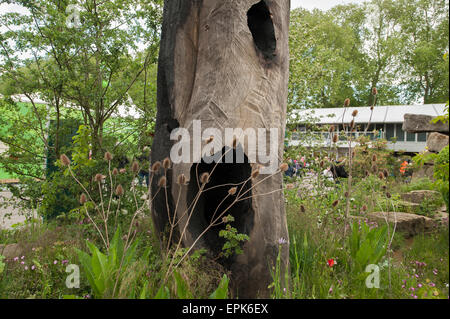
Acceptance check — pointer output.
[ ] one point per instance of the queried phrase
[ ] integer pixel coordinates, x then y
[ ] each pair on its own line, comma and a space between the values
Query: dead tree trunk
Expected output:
224, 63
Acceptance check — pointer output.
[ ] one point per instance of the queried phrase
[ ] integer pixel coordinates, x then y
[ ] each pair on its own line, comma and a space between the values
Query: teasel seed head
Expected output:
346, 194
386, 173
235, 142
115, 171
335, 203
381, 175
322, 164
98, 177
209, 140
181, 179
83, 199
355, 113
119, 190
364, 208
167, 163
371, 108
347, 102
284, 167
156, 166
384, 187
374, 158
255, 173
366, 173
352, 124
290, 186
64, 160
162, 181
108, 156
204, 178
388, 195
335, 138
331, 129
374, 91
135, 167
302, 208
232, 191
374, 168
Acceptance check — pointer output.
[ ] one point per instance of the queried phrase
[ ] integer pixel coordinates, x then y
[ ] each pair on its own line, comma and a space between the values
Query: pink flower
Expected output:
55, 262
22, 262
33, 267
330, 290
26, 267
22, 257
16, 258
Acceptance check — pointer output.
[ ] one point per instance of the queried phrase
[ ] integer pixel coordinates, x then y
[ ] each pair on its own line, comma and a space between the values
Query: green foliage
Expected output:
441, 174
222, 290
105, 272
2, 264
367, 246
233, 239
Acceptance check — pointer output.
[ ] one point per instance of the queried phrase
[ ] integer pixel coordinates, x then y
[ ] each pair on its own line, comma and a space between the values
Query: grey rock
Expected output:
436, 142
418, 123
419, 196
409, 224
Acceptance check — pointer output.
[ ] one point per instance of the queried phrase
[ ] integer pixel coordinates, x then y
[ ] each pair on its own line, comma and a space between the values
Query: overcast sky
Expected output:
320, 4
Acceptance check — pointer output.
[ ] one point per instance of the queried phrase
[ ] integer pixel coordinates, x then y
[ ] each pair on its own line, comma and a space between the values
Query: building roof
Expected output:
381, 114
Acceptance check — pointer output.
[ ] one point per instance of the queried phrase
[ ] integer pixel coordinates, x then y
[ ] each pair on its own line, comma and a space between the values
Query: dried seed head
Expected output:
381, 175
355, 113
83, 199
122, 170
135, 167
167, 163
352, 124
331, 129
204, 178
210, 139
99, 177
371, 108
364, 208
347, 102
335, 203
346, 194
115, 171
302, 208
235, 142
290, 186
156, 166
64, 160
374, 158
374, 91
386, 173
232, 191
162, 182
181, 180
374, 169
284, 167
388, 195
119, 190
384, 187
255, 173
353, 153
335, 138
321, 164
366, 173
108, 156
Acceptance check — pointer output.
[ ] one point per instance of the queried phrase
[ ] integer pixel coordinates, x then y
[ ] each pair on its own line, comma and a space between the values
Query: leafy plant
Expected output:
104, 272
367, 246
233, 239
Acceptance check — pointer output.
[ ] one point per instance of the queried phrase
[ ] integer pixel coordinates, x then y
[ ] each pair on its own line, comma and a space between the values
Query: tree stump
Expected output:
224, 63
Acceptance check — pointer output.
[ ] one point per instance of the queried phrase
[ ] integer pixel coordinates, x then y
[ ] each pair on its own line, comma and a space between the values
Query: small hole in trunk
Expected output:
261, 26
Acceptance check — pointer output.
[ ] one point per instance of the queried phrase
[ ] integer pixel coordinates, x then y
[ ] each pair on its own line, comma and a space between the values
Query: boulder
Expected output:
409, 224
427, 170
436, 142
418, 123
419, 196
10, 251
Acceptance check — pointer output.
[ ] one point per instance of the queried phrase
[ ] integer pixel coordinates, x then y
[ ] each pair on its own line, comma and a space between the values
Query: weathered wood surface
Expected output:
225, 63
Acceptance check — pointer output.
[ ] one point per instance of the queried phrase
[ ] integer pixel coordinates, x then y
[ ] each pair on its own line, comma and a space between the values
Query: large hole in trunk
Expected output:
261, 26
213, 201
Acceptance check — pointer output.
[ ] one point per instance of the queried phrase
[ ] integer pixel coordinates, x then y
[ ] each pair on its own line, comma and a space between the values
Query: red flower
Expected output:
331, 262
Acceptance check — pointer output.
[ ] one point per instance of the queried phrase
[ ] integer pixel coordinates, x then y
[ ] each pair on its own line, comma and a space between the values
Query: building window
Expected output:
410, 137
400, 133
389, 131
422, 137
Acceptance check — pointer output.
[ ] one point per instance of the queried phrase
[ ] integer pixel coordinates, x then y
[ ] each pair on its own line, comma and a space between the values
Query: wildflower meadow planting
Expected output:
231, 150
